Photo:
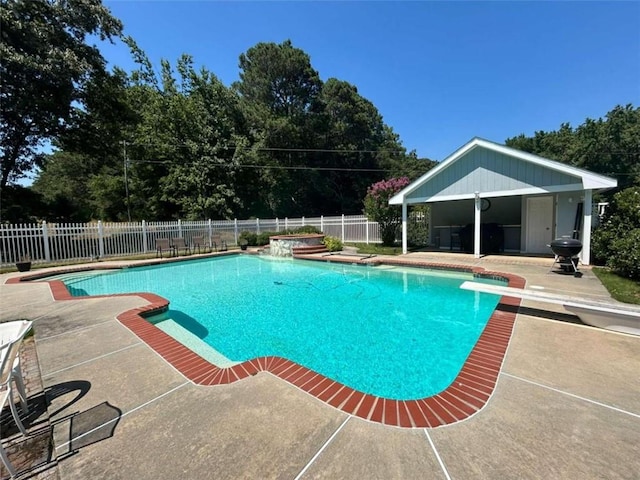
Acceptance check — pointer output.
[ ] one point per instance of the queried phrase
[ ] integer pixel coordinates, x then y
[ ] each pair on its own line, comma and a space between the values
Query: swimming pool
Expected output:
397, 333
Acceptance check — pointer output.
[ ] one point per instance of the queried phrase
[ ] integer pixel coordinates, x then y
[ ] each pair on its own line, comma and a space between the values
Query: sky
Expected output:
440, 73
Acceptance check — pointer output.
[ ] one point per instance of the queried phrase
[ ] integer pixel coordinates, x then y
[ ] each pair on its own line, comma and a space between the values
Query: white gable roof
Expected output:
588, 180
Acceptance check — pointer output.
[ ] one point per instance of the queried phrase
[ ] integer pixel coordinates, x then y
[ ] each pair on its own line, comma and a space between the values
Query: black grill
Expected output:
566, 251
566, 247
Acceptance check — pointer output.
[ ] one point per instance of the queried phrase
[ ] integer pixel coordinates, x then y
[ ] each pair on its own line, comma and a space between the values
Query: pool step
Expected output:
309, 249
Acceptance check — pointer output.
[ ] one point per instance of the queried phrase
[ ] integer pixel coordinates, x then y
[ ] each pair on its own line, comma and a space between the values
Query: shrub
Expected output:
418, 226
377, 208
333, 244
625, 258
263, 237
250, 237
306, 229
616, 241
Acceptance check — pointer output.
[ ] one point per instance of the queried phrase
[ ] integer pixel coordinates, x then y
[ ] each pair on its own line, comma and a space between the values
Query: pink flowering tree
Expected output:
377, 208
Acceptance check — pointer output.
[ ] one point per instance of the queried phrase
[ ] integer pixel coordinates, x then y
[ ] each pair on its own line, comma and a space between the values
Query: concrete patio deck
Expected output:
566, 404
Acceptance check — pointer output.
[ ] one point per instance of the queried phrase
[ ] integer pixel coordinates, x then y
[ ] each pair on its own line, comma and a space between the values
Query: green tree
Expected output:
377, 208
46, 64
278, 89
359, 147
87, 172
184, 156
610, 145
279, 78
64, 187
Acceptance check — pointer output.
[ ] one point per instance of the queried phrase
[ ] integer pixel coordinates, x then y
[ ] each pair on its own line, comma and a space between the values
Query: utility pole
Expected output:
126, 177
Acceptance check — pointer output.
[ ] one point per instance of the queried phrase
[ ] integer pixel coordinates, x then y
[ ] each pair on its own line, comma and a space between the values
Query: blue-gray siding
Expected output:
488, 171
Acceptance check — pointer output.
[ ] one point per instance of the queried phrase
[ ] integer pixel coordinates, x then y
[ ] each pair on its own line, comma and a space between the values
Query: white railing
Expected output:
58, 242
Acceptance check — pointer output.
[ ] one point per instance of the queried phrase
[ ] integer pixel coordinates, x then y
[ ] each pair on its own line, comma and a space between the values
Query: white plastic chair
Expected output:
10, 331
11, 335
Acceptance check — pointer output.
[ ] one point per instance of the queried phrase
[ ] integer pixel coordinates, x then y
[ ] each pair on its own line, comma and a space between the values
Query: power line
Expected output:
274, 167
275, 149
302, 167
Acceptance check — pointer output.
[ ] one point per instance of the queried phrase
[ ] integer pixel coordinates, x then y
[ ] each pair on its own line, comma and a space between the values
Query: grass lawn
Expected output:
622, 289
375, 249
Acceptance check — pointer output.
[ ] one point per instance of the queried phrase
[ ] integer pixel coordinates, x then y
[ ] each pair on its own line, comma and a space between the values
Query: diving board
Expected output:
617, 317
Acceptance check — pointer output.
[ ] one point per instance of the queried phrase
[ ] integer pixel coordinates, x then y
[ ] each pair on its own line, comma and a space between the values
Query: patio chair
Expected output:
10, 331
180, 243
199, 242
218, 243
162, 245
12, 334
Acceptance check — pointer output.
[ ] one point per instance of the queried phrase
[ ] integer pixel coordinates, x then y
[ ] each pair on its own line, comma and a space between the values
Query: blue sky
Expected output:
440, 73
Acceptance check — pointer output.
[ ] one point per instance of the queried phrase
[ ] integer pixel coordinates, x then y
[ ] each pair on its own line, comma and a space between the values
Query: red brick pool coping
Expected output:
467, 394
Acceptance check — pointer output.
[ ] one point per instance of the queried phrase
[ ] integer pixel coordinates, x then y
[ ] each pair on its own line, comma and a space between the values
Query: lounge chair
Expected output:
611, 316
199, 242
180, 243
11, 336
218, 243
163, 245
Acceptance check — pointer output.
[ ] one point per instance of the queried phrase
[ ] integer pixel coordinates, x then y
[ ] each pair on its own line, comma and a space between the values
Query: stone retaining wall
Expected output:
282, 245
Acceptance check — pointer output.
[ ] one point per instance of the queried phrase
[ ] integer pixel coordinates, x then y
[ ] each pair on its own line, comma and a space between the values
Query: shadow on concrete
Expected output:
91, 426
33, 454
79, 429
539, 312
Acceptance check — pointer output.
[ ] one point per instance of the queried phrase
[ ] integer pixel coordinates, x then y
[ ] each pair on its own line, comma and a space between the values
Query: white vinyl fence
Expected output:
58, 242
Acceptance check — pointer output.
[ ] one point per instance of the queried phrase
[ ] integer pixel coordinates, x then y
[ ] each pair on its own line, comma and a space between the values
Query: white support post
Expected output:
366, 227
210, 229
586, 236
258, 226
303, 221
404, 226
145, 245
45, 240
322, 223
179, 228
476, 226
277, 224
235, 230
343, 228
100, 238
286, 223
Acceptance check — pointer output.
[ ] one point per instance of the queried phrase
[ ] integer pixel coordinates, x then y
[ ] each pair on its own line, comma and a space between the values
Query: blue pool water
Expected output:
395, 332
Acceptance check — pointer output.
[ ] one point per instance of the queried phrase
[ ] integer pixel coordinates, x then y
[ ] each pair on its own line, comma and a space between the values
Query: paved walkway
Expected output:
566, 405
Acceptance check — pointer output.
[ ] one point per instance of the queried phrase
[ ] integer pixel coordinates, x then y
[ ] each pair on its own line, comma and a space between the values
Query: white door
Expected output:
539, 224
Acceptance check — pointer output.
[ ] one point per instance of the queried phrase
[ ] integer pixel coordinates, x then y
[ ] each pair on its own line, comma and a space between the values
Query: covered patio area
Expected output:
489, 198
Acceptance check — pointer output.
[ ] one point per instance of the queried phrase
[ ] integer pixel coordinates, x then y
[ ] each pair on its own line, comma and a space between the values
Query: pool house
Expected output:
490, 198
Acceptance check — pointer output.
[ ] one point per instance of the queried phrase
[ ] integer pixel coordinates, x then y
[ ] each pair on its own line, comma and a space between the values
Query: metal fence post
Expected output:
45, 241
303, 221
322, 223
100, 239
343, 227
179, 228
145, 244
286, 223
277, 225
258, 226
